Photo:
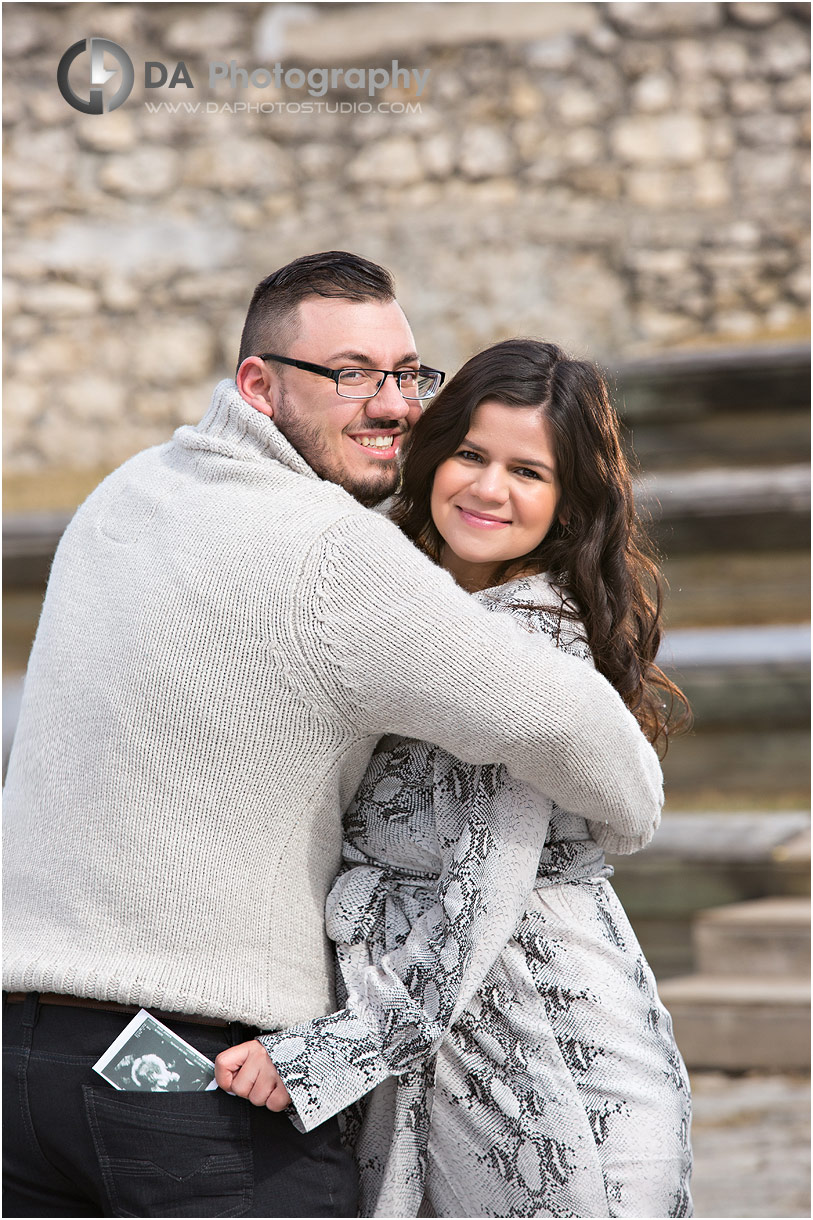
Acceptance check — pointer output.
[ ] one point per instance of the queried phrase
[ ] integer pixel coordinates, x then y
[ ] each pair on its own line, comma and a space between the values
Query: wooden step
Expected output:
706, 860
717, 509
768, 936
735, 1023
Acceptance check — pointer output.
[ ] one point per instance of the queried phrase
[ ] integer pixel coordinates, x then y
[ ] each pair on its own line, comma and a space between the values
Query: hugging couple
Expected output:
257, 711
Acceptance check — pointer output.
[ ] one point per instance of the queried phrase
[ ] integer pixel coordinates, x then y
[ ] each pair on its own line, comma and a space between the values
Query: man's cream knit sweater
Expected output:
224, 638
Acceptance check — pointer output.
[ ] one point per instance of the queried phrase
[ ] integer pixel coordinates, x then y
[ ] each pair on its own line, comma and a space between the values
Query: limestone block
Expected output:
437, 155
119, 295
652, 93
14, 109
655, 19
754, 14
282, 205
21, 328
583, 147
147, 172
712, 187
219, 286
94, 397
60, 300
48, 107
708, 97
639, 58
38, 161
762, 294
210, 32
604, 40
720, 137
351, 34
727, 57
524, 99
557, 54
58, 353
748, 96
321, 157
659, 262
769, 129
24, 398
798, 285
782, 316
250, 165
794, 94
661, 327
768, 171
599, 181
576, 106
785, 50
394, 162
737, 322
675, 138
744, 233
22, 34
12, 296
174, 348
689, 58
115, 135
245, 213
485, 152
647, 187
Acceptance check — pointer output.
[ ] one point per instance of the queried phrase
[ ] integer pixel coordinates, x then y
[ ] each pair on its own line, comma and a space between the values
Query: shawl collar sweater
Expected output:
224, 637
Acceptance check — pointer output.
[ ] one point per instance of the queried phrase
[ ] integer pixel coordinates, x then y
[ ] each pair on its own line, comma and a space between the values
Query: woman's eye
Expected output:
468, 455
528, 474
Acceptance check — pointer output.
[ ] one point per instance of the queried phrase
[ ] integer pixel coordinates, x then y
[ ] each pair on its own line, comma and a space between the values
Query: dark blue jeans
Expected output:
75, 1146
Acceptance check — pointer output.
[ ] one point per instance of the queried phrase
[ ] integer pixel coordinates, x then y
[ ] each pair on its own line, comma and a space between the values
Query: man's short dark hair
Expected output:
271, 319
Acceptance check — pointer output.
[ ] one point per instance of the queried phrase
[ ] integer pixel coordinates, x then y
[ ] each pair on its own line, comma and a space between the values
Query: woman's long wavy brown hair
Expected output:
601, 559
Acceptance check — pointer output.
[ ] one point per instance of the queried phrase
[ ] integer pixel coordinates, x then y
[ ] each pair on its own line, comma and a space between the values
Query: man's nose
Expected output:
389, 402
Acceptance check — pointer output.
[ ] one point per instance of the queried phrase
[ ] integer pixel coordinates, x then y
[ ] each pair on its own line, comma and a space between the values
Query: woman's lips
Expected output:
481, 521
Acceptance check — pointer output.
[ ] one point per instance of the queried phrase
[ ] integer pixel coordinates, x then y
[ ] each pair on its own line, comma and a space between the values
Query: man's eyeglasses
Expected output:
365, 383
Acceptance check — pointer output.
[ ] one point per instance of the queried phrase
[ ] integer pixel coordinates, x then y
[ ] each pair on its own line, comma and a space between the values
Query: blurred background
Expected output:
630, 180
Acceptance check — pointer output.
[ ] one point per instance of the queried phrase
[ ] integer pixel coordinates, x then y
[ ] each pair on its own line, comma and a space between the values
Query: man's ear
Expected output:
257, 385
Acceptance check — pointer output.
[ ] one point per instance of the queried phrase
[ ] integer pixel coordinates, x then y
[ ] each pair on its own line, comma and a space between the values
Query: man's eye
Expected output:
354, 376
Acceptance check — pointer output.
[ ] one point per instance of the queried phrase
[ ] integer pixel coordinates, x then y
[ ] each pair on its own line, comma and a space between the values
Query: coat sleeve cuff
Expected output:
325, 1065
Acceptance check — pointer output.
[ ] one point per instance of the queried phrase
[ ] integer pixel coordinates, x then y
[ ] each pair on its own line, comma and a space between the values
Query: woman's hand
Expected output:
247, 1071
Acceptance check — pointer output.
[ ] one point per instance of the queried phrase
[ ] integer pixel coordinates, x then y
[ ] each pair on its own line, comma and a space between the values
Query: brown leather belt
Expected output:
75, 1001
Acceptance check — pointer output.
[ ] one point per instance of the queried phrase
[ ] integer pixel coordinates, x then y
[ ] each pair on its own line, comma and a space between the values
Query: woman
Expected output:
497, 1002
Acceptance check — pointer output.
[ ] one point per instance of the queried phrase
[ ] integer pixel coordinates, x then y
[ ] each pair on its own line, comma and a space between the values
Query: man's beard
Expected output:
369, 489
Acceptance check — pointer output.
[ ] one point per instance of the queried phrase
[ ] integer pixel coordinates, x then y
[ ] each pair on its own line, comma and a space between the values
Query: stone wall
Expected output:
621, 177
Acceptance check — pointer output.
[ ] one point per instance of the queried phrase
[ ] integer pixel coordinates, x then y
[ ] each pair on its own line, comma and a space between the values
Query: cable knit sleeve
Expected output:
490, 833
411, 653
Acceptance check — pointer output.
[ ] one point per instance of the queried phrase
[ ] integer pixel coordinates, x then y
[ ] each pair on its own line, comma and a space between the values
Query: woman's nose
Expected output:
491, 483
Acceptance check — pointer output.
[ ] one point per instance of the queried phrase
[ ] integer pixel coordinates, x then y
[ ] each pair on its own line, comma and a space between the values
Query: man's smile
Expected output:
378, 443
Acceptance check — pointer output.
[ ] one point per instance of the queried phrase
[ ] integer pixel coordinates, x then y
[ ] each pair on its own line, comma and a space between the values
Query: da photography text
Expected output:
96, 76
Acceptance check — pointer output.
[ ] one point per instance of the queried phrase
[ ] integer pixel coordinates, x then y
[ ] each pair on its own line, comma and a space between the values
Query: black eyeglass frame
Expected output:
334, 374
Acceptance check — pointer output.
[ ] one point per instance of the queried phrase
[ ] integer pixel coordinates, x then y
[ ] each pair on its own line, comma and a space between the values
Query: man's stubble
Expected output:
369, 489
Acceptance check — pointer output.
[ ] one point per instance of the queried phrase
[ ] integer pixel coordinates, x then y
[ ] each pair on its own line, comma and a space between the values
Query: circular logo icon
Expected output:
99, 75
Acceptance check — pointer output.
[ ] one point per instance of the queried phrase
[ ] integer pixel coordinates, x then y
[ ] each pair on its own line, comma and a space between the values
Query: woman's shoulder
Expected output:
539, 603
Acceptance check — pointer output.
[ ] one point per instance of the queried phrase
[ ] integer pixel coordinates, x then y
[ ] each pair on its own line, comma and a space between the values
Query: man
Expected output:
227, 632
